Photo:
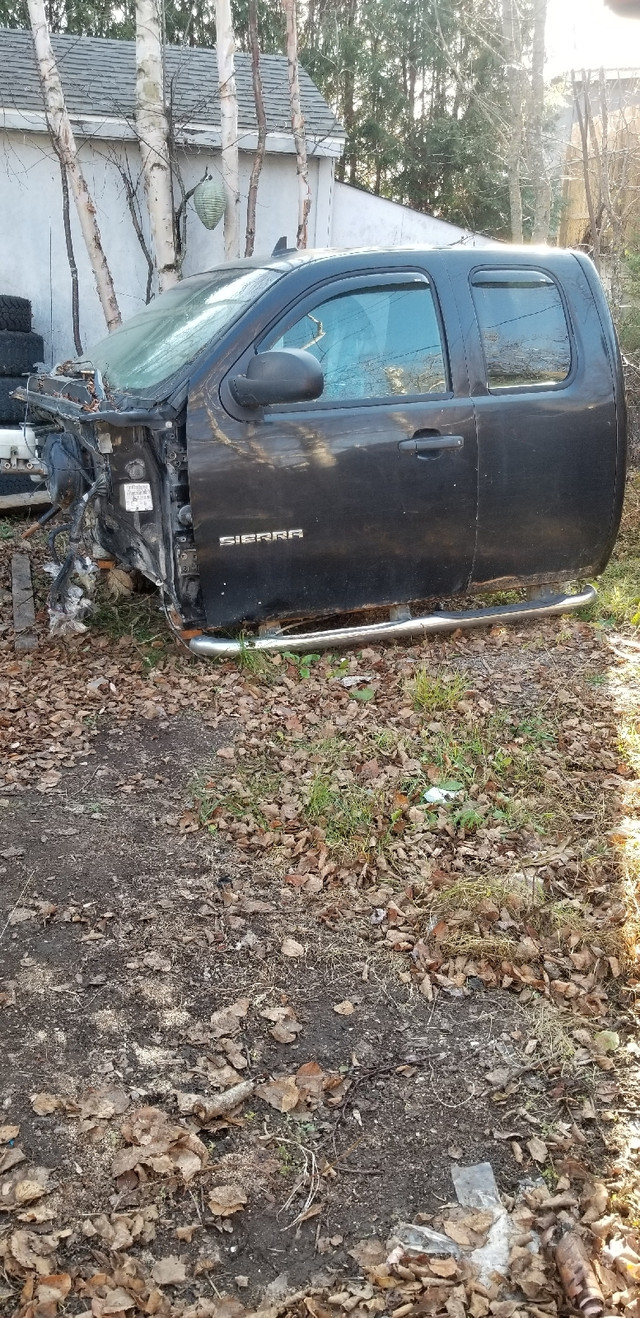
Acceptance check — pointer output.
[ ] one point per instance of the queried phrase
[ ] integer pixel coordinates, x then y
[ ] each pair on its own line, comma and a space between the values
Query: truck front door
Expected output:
367, 496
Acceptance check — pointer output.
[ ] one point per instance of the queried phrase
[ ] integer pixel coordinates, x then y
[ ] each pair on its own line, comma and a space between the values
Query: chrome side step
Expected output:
215, 647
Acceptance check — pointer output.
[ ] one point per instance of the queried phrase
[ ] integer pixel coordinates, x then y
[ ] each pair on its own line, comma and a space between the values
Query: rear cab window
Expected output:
524, 329
374, 341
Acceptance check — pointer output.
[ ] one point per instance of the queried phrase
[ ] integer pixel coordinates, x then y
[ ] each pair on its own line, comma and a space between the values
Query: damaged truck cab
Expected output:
322, 433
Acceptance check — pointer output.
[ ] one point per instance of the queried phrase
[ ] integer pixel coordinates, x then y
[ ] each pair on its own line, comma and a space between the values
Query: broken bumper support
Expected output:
215, 647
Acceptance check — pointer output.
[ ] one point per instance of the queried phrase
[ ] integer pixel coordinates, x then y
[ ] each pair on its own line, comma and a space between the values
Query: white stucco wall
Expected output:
362, 220
33, 257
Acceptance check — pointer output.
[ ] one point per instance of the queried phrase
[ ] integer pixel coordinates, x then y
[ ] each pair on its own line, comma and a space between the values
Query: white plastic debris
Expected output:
65, 619
439, 795
408, 1238
476, 1188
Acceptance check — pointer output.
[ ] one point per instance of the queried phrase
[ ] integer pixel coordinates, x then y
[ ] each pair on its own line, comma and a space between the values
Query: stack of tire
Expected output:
20, 349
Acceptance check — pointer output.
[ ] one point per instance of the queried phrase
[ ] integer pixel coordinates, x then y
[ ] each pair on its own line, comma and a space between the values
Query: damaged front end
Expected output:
117, 478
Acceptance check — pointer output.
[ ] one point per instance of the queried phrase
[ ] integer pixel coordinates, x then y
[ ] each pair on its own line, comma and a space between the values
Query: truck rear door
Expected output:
542, 380
369, 494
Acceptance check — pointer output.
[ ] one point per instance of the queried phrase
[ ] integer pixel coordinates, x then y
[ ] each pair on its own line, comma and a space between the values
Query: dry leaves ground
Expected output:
284, 940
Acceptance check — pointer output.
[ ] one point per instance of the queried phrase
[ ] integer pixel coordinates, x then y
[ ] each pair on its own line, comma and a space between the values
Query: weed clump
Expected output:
436, 692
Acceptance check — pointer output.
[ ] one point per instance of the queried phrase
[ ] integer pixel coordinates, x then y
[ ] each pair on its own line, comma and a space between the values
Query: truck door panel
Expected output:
546, 416
352, 500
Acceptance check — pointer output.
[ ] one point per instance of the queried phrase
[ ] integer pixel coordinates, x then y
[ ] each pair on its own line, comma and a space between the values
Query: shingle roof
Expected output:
98, 77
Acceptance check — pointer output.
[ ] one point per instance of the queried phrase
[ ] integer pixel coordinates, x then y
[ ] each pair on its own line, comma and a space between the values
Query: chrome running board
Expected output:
217, 647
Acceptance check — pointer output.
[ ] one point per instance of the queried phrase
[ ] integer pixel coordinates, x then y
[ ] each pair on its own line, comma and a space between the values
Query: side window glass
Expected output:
372, 343
524, 329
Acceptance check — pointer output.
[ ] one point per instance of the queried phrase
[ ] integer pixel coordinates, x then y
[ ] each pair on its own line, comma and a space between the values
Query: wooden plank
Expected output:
38, 499
24, 614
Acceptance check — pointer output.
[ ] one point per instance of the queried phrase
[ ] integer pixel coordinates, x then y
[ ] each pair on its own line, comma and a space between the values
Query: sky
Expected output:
585, 34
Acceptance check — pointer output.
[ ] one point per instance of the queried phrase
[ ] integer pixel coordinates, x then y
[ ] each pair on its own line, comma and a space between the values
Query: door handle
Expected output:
420, 443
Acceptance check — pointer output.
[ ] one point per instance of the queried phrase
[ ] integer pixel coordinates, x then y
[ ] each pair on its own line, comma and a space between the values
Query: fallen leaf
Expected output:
225, 1200
443, 1267
188, 822
44, 1104
54, 1288
345, 1008
538, 1149
310, 1080
457, 1232
606, 1041
29, 1250
292, 949
10, 1158
19, 914
8, 1133
369, 1252
227, 1020
164, 1146
187, 1232
282, 1094
169, 1271
22, 1187
454, 1307
285, 1031
104, 1103
117, 1301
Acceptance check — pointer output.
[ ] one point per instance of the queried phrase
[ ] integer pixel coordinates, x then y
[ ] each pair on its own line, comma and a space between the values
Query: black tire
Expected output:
19, 352
15, 313
11, 410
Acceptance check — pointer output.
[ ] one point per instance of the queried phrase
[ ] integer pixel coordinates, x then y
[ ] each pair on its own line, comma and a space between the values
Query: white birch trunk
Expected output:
153, 136
62, 134
512, 36
297, 124
539, 171
225, 50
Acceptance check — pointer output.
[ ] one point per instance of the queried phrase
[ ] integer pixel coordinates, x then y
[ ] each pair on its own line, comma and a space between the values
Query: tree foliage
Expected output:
418, 84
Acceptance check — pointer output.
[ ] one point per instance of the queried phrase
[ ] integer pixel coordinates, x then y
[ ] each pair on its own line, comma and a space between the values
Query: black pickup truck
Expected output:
319, 433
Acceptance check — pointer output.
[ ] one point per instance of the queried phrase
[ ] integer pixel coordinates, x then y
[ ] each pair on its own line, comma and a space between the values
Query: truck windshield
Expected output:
176, 326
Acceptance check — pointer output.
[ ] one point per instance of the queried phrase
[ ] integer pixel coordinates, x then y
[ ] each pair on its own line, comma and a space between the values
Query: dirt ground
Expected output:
187, 904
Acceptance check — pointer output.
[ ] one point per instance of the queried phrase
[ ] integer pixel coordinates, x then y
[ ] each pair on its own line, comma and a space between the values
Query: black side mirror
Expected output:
288, 376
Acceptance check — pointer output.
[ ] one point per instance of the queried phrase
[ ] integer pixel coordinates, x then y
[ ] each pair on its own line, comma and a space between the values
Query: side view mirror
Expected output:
290, 375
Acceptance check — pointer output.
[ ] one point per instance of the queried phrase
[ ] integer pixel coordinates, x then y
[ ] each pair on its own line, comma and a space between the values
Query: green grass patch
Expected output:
434, 692
8, 528
136, 617
498, 764
618, 599
347, 814
618, 602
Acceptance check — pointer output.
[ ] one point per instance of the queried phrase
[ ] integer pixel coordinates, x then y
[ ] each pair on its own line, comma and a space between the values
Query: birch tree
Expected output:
62, 134
225, 51
297, 123
512, 37
258, 159
538, 164
153, 136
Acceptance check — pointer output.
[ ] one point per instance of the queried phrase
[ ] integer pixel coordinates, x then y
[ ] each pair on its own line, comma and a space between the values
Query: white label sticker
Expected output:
137, 497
